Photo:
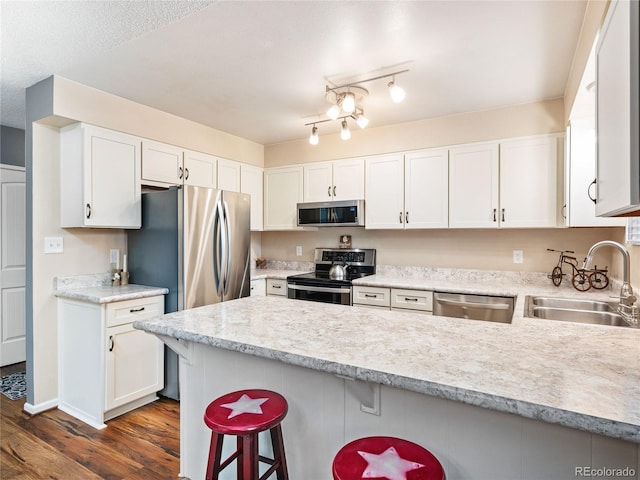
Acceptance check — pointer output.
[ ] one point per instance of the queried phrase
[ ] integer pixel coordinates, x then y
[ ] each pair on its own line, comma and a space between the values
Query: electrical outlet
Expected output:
53, 245
518, 256
298, 251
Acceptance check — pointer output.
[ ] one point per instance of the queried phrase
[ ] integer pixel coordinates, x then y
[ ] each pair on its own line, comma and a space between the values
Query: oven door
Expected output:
315, 293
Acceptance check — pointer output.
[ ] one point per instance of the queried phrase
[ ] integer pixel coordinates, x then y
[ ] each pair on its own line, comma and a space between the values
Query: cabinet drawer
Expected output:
120, 313
375, 296
276, 287
412, 299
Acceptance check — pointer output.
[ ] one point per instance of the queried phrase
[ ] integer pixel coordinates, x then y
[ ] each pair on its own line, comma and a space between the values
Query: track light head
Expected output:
397, 93
345, 133
313, 138
333, 112
362, 121
349, 103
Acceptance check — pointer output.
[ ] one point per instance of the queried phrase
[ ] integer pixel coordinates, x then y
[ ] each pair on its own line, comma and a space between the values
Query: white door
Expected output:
12, 240
348, 179
318, 182
228, 175
200, 169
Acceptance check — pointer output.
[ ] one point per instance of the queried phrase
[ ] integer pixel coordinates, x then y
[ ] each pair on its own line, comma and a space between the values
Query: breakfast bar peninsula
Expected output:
527, 400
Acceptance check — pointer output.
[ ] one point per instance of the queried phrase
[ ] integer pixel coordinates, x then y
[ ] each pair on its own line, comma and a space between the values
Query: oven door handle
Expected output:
308, 288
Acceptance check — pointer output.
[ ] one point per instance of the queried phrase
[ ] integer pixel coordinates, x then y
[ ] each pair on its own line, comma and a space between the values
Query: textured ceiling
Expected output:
258, 69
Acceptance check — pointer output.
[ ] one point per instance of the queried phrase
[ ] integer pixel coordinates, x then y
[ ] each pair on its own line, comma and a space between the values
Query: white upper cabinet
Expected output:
528, 183
200, 169
618, 111
426, 189
161, 163
407, 191
282, 193
336, 180
384, 186
99, 178
251, 183
473, 186
228, 175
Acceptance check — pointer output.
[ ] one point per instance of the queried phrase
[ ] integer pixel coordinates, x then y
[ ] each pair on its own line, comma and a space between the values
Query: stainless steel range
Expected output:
335, 270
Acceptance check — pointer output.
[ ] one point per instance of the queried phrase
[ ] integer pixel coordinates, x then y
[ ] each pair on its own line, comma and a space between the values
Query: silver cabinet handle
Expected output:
135, 310
186, 174
409, 299
276, 286
111, 343
88, 210
503, 214
495, 210
406, 217
329, 190
180, 173
368, 295
400, 217
334, 190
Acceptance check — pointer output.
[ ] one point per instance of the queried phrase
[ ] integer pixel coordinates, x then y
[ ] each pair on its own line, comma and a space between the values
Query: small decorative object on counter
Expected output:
124, 278
116, 278
345, 241
261, 262
582, 280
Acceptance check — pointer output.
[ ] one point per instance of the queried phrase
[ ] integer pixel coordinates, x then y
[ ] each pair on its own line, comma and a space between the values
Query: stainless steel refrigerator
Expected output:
196, 242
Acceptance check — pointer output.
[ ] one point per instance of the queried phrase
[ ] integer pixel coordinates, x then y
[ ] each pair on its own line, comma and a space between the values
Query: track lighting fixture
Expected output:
313, 139
346, 102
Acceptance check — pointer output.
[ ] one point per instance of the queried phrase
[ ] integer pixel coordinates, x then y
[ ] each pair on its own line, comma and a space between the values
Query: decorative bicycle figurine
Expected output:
581, 279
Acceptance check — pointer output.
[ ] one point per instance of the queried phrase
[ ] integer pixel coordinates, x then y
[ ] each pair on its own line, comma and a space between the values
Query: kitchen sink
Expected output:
593, 312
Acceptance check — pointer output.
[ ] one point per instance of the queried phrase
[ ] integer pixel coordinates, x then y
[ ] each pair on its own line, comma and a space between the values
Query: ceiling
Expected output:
258, 69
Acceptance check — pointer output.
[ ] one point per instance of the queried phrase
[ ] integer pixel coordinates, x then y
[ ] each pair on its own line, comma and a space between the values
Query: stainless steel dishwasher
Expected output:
475, 307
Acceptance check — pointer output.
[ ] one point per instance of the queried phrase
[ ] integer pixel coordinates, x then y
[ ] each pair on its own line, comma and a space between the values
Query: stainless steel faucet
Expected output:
627, 300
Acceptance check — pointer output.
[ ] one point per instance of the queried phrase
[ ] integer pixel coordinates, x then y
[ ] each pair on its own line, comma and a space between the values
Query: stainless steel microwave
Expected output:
342, 213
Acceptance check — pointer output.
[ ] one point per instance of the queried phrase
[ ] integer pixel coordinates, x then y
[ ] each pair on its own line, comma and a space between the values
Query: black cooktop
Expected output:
361, 263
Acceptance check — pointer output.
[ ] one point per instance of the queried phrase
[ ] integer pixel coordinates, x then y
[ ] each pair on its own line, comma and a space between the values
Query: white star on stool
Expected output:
388, 465
245, 404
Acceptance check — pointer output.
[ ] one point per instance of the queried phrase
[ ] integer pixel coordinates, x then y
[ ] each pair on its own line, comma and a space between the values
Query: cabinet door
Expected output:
200, 169
318, 182
228, 175
282, 193
426, 189
617, 113
528, 182
258, 287
348, 179
161, 163
251, 183
473, 186
135, 366
384, 197
111, 179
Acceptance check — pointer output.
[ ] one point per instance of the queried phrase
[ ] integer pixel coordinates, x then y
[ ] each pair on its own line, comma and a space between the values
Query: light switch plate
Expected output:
299, 251
53, 245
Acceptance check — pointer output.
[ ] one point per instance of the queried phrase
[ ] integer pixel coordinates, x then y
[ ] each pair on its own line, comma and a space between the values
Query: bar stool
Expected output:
386, 457
245, 414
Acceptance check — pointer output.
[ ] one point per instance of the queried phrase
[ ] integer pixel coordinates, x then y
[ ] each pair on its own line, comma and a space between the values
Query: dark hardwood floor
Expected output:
143, 444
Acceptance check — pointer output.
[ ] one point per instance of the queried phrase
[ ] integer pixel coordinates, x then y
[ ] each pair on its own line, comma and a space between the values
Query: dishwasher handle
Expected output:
487, 306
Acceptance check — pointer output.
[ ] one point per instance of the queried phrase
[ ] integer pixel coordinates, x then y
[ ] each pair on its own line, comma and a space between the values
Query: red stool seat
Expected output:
245, 414
385, 458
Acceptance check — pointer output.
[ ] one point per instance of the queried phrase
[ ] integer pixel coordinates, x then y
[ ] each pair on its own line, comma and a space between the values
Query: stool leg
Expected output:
250, 457
239, 466
215, 452
278, 452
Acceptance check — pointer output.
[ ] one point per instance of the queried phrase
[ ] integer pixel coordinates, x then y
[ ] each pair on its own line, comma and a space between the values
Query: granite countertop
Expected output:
281, 274
106, 294
577, 375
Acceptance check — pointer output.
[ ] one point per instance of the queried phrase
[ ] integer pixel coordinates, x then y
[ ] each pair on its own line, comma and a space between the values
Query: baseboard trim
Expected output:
40, 407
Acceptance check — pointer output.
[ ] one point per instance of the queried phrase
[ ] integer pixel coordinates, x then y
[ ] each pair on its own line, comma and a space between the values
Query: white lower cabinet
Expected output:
258, 287
106, 367
371, 297
277, 286
393, 298
416, 300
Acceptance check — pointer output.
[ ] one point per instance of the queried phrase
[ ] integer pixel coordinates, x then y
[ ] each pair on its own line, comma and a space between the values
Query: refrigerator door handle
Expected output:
218, 249
229, 256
